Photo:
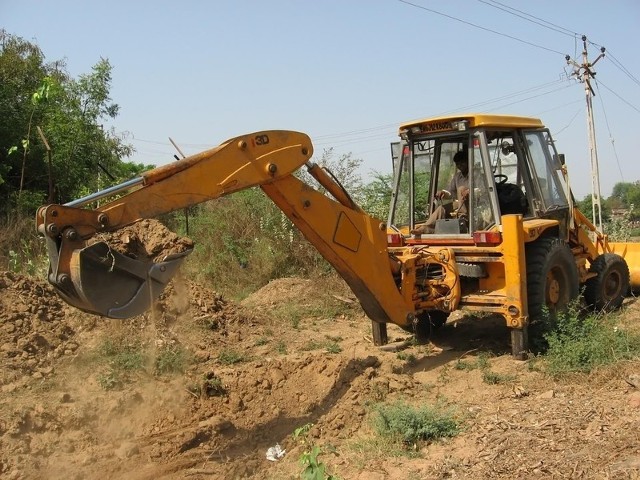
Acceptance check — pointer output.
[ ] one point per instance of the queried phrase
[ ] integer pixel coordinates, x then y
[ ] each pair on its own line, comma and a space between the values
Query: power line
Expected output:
622, 68
528, 17
481, 27
466, 107
617, 63
530, 98
606, 121
625, 101
558, 132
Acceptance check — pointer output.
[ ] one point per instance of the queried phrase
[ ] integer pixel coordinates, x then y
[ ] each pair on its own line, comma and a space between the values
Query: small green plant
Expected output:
493, 378
480, 362
409, 425
300, 433
123, 355
333, 347
581, 343
230, 357
17, 264
261, 341
210, 386
410, 358
172, 359
311, 345
108, 380
281, 347
314, 469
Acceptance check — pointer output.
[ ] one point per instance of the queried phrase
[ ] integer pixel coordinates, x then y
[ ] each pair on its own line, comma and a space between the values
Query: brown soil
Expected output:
255, 374
146, 240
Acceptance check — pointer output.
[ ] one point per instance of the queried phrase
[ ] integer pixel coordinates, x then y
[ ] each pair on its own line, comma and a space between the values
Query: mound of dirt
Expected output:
36, 328
147, 240
280, 291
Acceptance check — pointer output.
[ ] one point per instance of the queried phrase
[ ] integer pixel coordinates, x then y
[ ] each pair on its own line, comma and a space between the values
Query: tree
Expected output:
85, 156
586, 207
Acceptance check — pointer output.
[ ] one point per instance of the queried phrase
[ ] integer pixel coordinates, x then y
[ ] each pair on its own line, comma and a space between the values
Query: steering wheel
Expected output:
500, 178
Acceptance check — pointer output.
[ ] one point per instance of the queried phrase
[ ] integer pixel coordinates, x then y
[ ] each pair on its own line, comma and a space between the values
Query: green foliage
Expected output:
581, 343
375, 196
493, 378
409, 425
231, 357
171, 359
249, 242
281, 347
620, 228
626, 196
300, 433
123, 355
210, 385
70, 113
586, 207
314, 469
480, 362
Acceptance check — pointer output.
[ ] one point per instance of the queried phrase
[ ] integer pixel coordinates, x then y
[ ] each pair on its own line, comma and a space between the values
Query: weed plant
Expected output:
171, 359
231, 357
409, 425
582, 342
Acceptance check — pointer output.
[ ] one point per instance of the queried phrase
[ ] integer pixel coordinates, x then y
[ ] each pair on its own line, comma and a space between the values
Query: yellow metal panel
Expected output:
631, 253
347, 235
475, 120
515, 271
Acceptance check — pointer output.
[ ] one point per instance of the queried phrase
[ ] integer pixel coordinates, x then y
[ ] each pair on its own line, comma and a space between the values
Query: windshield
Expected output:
441, 187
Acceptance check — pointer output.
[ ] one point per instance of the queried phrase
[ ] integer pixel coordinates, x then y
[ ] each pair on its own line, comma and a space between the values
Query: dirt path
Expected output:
202, 387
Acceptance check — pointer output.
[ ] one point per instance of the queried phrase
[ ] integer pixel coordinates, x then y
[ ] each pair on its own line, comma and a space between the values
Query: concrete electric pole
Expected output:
584, 73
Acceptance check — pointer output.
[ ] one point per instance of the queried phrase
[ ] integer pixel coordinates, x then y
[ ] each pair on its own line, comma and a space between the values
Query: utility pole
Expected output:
584, 73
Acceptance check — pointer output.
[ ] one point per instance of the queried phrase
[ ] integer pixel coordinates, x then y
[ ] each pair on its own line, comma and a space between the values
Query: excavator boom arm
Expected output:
94, 278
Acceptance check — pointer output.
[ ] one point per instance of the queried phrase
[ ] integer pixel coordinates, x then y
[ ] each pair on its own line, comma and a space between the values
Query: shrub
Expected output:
171, 359
581, 343
408, 424
230, 357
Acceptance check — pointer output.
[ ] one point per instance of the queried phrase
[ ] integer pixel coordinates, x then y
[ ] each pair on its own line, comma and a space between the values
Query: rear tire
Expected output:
606, 291
552, 278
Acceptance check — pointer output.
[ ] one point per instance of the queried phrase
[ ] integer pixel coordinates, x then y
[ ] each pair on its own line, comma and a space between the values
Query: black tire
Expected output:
426, 323
606, 291
552, 278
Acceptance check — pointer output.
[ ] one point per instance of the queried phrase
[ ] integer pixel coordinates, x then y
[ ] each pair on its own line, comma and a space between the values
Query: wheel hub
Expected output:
553, 289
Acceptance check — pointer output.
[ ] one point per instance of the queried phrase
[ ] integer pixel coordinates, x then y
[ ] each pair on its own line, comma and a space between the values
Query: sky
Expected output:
349, 72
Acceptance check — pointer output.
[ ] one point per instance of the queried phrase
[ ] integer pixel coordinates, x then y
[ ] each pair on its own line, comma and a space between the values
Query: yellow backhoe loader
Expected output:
495, 231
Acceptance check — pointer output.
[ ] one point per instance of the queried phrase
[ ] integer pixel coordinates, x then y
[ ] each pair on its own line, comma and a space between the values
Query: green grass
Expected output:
295, 313
231, 357
123, 355
406, 424
172, 359
493, 378
119, 358
581, 343
330, 346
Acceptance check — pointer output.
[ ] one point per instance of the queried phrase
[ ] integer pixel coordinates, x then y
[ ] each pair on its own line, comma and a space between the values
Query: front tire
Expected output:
606, 291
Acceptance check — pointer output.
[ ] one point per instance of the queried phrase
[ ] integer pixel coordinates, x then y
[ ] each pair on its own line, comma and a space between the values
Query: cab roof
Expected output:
474, 120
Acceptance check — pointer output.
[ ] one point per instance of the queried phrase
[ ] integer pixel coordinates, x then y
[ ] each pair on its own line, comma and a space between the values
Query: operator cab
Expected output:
510, 167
